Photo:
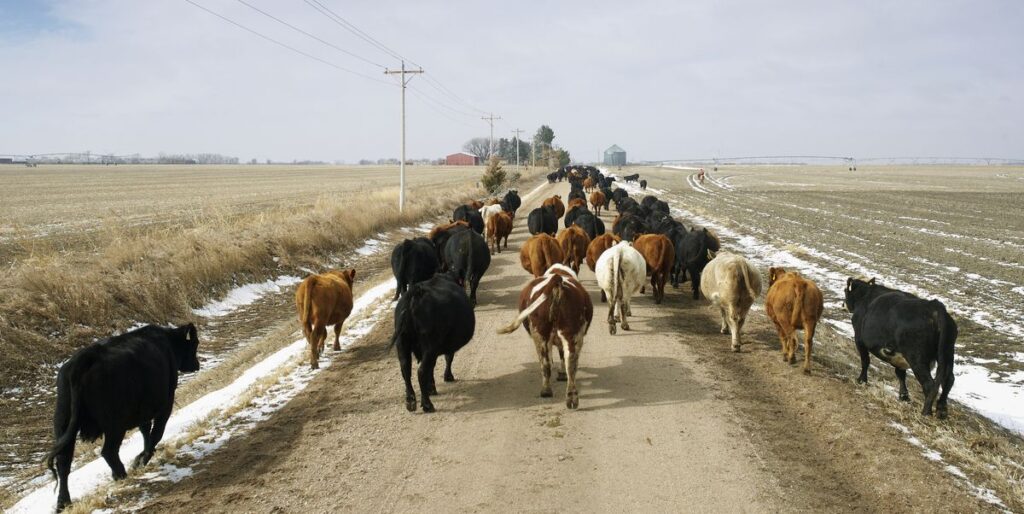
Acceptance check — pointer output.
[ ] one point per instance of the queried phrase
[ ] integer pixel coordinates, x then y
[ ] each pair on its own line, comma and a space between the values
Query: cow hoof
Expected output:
140, 460
119, 475
611, 328
904, 397
941, 413
428, 407
625, 326
433, 392
449, 377
736, 348
337, 347
562, 377
792, 360
807, 371
411, 405
572, 403
724, 330
545, 393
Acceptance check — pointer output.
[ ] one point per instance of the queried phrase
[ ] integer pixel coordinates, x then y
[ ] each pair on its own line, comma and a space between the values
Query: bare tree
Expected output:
480, 147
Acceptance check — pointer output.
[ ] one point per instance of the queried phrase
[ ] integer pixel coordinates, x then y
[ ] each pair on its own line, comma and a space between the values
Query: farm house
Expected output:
462, 159
615, 156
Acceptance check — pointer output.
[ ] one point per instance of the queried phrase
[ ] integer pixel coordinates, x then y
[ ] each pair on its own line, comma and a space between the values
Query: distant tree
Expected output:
480, 147
544, 135
494, 176
505, 149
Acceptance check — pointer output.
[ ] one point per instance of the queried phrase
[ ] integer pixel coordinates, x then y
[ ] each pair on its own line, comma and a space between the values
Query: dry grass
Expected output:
59, 297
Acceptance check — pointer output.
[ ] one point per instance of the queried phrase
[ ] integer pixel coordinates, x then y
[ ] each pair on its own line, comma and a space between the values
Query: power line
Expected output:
293, 27
446, 106
289, 47
428, 103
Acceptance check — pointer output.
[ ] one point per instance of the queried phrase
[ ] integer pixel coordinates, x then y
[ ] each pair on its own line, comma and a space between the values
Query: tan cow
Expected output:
500, 227
539, 253
574, 242
475, 204
556, 202
556, 311
792, 303
596, 248
588, 184
323, 300
577, 202
597, 200
732, 284
660, 255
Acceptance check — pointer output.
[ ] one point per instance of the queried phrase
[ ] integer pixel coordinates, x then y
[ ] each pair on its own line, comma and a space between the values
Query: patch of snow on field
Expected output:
244, 295
370, 247
96, 472
999, 401
982, 493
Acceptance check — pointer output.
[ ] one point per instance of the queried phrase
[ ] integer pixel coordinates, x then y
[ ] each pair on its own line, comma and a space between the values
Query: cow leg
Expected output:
604, 297
624, 311
399, 287
147, 445
111, 445
337, 336
63, 463
315, 346
725, 317
448, 358
930, 387
405, 363
611, 315
794, 341
561, 370
942, 410
426, 377
865, 359
544, 355
808, 344
901, 375
572, 395
736, 327
474, 282
695, 283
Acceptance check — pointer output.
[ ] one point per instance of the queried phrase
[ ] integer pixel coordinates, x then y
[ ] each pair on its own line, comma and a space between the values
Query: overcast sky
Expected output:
664, 80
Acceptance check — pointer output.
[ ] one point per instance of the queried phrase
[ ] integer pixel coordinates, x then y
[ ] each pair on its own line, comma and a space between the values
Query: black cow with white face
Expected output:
907, 332
115, 385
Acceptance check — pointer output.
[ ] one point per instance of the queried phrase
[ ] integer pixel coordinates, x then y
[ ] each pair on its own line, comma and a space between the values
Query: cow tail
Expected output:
402, 318
947, 344
71, 430
616, 278
523, 315
798, 303
746, 279
404, 263
556, 298
467, 278
307, 315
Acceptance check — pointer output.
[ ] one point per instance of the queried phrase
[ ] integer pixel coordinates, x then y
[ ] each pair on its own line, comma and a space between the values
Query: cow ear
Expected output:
352, 273
872, 281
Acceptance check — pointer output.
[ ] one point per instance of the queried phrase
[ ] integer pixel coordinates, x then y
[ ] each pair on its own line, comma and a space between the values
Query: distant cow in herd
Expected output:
468, 258
470, 215
907, 332
556, 311
412, 261
556, 203
499, 228
323, 300
792, 303
542, 219
732, 284
631, 178
433, 319
116, 385
539, 253
660, 256
574, 242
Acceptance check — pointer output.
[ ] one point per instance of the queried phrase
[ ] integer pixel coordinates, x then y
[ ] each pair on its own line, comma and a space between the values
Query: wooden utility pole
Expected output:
490, 119
516, 142
401, 163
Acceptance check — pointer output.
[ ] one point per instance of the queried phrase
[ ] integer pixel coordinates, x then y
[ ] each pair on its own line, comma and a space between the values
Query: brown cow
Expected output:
492, 201
556, 311
660, 254
475, 204
556, 202
597, 200
577, 202
574, 242
440, 234
792, 303
588, 184
539, 253
499, 227
596, 248
322, 300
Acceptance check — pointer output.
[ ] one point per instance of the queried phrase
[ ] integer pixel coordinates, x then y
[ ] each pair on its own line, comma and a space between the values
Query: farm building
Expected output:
6, 160
615, 156
462, 159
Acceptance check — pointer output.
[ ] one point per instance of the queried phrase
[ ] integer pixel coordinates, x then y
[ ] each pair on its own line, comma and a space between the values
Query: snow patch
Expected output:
245, 295
370, 247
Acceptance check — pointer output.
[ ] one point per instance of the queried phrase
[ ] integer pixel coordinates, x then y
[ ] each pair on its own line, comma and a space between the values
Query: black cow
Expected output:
115, 385
618, 195
511, 202
631, 178
571, 214
433, 318
468, 258
552, 177
471, 216
648, 201
607, 197
692, 256
413, 260
576, 193
590, 224
907, 332
627, 204
643, 185
629, 226
662, 207
440, 240
542, 219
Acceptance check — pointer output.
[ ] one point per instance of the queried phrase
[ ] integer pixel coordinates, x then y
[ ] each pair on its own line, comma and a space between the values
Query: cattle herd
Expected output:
128, 381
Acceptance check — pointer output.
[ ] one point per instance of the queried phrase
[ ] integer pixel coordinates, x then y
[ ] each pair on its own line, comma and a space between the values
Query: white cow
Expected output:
487, 212
732, 284
621, 272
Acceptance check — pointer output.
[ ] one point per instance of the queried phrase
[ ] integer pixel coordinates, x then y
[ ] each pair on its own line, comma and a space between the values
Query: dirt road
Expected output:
669, 420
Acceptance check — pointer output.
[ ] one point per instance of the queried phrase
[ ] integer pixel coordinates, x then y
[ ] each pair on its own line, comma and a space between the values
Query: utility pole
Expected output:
490, 119
516, 140
401, 163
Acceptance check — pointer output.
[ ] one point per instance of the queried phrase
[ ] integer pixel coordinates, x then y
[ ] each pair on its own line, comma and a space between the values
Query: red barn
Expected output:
462, 159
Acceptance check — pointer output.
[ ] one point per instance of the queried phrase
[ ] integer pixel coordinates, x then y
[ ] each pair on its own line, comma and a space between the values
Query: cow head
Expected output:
856, 289
774, 274
185, 349
349, 276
